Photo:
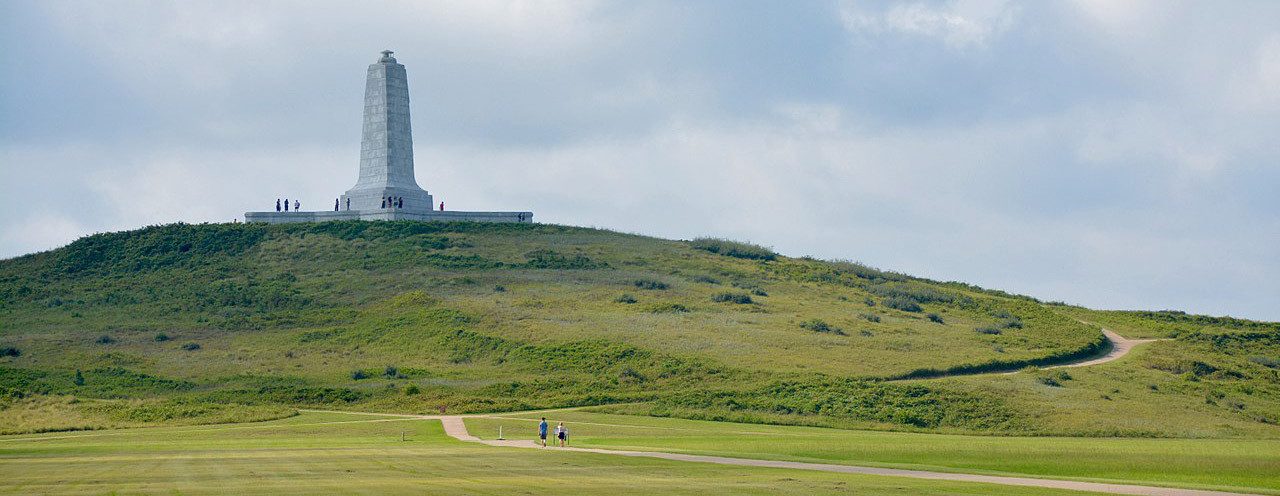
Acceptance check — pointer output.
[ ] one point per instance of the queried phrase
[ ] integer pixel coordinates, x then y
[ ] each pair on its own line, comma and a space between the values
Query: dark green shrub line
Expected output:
818, 325
902, 303
650, 284
736, 249
738, 298
1097, 347
550, 259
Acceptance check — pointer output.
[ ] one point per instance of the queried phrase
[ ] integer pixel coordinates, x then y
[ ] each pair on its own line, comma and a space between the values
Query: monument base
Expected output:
387, 214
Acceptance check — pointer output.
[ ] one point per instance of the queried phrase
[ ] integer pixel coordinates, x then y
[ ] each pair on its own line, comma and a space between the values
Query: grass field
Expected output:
198, 324
1231, 465
317, 453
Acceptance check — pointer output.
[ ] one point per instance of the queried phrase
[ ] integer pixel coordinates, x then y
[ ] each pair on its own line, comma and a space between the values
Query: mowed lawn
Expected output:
316, 453
1243, 465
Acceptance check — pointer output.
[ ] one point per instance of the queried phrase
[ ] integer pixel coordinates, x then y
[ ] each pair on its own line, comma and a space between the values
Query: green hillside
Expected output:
209, 323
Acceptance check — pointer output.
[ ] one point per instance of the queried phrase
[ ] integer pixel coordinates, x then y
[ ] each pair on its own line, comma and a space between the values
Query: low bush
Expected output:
162, 337
392, 373
359, 375
988, 330
705, 279
818, 325
669, 308
736, 249
79, 378
104, 339
1266, 361
625, 298
191, 346
548, 259
650, 284
902, 303
412, 389
933, 317
1048, 381
1011, 323
737, 298
870, 317
499, 289
10, 351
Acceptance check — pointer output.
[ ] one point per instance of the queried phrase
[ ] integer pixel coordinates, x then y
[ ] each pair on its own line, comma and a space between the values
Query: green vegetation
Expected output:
736, 249
323, 453
1231, 465
288, 316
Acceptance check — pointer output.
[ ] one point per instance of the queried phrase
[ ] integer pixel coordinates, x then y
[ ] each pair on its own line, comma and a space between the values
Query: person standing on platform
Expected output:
277, 204
297, 207
286, 204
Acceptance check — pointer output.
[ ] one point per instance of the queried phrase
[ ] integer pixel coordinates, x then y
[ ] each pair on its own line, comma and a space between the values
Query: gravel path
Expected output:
455, 427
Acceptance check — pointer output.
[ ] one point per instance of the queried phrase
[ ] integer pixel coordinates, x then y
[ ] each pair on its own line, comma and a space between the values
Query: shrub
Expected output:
548, 259
902, 303
1260, 360
738, 298
818, 325
869, 302
988, 330
933, 317
870, 317
1011, 323
9, 351
866, 333
162, 337
104, 339
759, 292
1048, 381
705, 279
669, 308
625, 298
499, 289
736, 249
650, 284
191, 346
412, 389
359, 375
391, 372
79, 378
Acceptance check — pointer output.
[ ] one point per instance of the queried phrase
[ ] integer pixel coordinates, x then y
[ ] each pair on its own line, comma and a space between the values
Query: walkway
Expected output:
455, 427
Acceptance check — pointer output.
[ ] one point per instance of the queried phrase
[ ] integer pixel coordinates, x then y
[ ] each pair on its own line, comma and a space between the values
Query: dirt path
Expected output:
455, 427
1120, 347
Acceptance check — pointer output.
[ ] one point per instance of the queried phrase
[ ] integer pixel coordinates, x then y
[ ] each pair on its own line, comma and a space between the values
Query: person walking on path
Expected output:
542, 431
297, 207
562, 433
335, 204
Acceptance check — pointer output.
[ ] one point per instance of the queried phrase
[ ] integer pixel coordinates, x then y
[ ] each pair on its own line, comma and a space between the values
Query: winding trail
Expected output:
455, 426
1120, 347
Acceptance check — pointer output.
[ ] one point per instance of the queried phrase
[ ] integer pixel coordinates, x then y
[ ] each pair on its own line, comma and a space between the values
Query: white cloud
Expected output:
960, 24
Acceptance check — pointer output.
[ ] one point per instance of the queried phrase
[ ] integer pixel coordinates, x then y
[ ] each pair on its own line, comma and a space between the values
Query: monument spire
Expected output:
386, 189
386, 144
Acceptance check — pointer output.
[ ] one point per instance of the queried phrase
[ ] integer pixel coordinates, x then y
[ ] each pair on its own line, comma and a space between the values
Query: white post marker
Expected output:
500, 438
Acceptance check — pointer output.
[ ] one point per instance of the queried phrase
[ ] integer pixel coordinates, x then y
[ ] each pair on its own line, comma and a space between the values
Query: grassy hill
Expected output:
199, 324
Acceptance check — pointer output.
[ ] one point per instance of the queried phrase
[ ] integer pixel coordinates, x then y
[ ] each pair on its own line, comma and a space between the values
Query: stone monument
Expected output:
386, 188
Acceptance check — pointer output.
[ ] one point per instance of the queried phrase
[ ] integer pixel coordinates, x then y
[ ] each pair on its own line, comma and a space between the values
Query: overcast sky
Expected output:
1111, 154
